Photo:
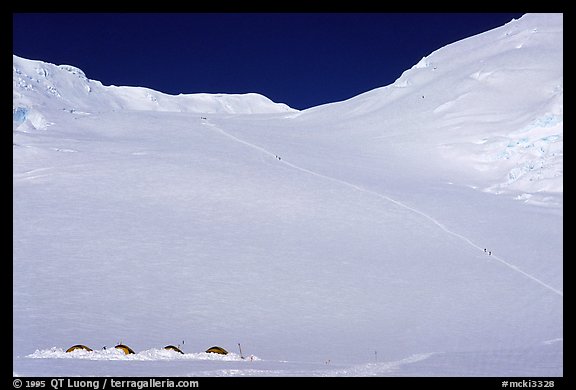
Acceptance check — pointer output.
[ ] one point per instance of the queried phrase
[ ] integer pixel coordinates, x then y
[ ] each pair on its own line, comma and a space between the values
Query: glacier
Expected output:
412, 230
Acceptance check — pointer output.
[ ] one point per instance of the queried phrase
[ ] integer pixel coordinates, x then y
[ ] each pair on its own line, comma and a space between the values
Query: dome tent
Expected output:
173, 348
124, 348
79, 347
216, 349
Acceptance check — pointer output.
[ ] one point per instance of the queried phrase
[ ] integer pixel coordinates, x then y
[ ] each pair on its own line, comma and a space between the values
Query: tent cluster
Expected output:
128, 351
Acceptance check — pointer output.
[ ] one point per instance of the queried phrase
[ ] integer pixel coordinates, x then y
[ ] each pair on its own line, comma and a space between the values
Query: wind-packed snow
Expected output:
413, 230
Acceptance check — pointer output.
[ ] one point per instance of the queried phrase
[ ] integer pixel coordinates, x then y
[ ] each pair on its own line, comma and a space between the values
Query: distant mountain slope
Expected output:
488, 109
38, 86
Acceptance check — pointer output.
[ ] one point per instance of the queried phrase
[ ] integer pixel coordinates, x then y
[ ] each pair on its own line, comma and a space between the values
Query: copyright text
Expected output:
103, 383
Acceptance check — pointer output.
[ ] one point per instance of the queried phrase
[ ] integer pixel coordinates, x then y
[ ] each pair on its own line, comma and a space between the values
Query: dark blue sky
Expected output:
300, 59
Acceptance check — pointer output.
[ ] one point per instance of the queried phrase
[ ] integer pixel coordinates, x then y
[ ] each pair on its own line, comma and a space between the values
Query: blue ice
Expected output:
19, 114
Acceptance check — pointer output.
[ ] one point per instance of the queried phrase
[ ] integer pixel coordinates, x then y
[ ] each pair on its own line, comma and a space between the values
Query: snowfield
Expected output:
413, 230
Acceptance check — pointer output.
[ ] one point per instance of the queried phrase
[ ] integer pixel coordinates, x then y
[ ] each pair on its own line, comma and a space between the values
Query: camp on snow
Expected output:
129, 351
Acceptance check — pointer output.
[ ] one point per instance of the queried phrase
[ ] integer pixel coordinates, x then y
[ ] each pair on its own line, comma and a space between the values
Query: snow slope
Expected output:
347, 239
491, 106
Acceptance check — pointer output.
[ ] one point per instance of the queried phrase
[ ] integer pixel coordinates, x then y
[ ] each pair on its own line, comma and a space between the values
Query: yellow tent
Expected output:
78, 347
173, 348
124, 348
219, 350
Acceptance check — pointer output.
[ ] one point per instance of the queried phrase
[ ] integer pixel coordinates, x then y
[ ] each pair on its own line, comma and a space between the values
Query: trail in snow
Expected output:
389, 199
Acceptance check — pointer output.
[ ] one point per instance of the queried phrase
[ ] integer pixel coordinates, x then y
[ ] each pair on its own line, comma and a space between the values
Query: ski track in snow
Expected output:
389, 199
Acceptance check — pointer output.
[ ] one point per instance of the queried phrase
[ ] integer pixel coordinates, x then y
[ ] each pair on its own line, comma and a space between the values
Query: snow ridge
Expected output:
66, 87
